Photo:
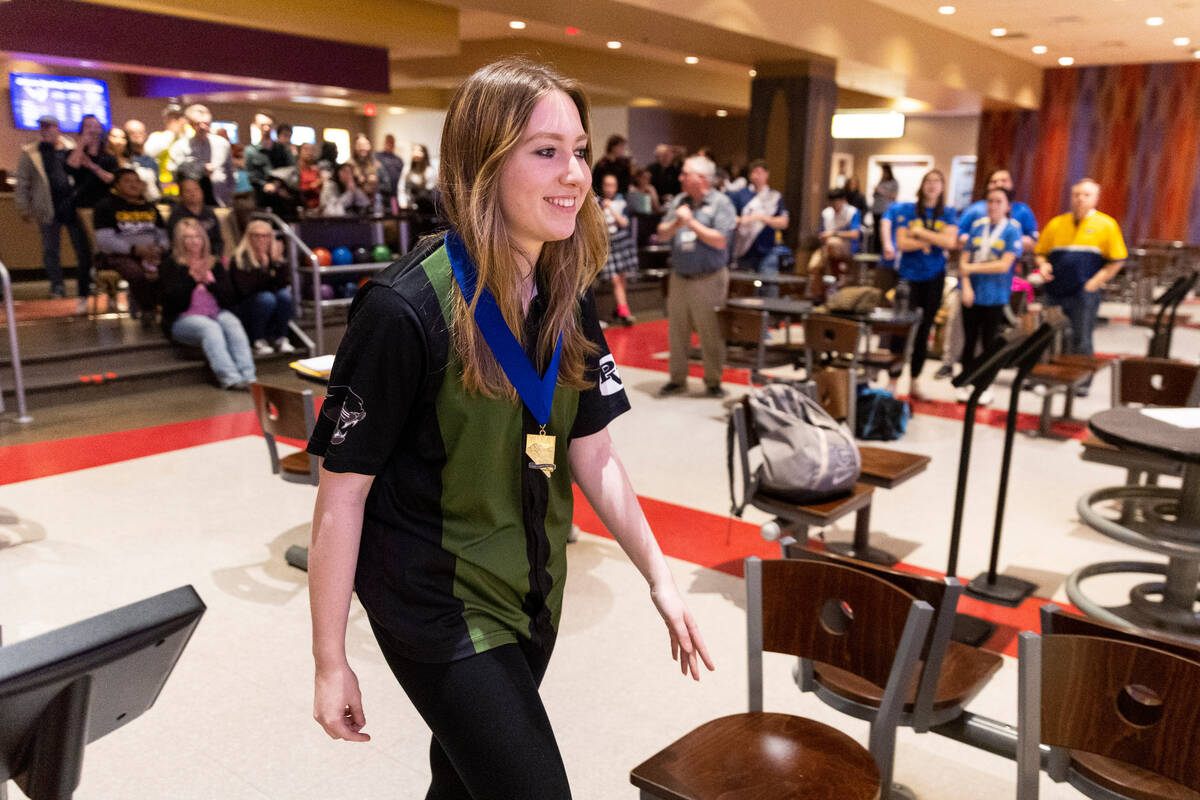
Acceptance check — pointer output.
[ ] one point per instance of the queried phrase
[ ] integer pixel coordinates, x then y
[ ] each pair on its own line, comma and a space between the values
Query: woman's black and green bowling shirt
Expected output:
463, 545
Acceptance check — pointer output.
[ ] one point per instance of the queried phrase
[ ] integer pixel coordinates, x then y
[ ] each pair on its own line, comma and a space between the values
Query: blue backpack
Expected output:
879, 415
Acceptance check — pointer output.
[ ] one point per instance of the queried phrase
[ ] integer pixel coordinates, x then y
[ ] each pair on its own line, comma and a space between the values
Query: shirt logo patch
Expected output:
349, 411
610, 379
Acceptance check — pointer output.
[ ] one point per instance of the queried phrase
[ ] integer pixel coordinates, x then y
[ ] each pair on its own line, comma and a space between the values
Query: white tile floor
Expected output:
234, 719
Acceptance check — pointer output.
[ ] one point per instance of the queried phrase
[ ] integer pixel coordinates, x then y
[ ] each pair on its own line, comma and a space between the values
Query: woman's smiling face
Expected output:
546, 177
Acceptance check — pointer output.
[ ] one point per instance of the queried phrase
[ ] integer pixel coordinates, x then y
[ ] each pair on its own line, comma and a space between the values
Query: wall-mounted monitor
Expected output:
230, 128
67, 99
303, 134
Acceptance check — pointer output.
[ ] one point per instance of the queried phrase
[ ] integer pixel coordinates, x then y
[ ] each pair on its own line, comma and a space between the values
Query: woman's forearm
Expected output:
601, 477
332, 559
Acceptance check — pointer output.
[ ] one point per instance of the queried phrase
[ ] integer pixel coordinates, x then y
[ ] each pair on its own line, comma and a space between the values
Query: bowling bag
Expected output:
880, 415
807, 456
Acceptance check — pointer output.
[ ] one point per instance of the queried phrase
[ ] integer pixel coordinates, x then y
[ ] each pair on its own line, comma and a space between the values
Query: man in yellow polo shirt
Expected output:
1077, 254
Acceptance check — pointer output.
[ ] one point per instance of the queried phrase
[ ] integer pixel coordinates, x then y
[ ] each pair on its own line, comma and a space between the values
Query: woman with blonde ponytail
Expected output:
472, 388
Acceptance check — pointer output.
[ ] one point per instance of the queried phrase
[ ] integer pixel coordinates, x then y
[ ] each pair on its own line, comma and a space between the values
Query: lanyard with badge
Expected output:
987, 239
536, 393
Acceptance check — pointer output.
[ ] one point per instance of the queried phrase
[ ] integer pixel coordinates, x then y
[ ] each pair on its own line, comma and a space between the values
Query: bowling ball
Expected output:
342, 256
381, 253
326, 291
362, 255
323, 257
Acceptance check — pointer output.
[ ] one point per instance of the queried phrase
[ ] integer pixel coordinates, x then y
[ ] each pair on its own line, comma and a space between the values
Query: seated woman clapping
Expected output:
261, 290
342, 196
197, 298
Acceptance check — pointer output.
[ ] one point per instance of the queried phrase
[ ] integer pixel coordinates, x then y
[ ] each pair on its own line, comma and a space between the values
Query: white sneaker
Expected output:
261, 348
282, 345
986, 398
964, 393
914, 391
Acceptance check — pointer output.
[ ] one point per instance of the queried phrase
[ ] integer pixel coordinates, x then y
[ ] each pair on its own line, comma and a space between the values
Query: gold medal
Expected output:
540, 449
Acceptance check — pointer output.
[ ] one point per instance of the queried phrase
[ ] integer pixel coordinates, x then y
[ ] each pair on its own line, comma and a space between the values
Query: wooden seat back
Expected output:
743, 327
940, 593
1056, 620
289, 413
1155, 382
1110, 698
831, 357
827, 334
831, 613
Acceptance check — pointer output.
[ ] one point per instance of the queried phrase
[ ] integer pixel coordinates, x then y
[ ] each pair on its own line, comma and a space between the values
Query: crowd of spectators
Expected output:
993, 244
145, 195
121, 174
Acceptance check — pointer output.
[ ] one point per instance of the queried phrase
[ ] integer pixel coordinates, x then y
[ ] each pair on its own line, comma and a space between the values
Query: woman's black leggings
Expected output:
491, 737
981, 325
927, 296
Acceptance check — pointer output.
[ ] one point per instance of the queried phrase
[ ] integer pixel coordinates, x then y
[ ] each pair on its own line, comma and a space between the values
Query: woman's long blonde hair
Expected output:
243, 249
486, 119
178, 250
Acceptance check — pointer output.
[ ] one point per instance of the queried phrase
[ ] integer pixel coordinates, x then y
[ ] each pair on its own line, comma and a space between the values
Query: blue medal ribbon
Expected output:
537, 393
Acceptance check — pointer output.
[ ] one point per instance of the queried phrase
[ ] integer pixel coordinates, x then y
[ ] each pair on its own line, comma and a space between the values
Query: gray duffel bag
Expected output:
807, 456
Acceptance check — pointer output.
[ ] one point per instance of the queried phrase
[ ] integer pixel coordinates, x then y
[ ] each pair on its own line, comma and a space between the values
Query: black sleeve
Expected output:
216, 240
377, 375
175, 287
104, 216
606, 399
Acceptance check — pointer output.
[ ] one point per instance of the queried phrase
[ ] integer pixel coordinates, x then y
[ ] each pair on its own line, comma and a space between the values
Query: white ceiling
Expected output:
1090, 31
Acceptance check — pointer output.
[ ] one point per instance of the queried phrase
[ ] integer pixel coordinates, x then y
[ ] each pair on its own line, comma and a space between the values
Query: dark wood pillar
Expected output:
791, 110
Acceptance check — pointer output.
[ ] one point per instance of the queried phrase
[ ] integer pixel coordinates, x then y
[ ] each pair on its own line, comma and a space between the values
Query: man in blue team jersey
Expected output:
1021, 213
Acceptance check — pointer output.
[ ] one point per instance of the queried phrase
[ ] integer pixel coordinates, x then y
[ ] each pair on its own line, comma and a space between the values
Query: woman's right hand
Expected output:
337, 704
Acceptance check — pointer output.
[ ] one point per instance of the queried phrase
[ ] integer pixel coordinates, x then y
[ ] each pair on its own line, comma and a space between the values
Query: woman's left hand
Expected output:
687, 646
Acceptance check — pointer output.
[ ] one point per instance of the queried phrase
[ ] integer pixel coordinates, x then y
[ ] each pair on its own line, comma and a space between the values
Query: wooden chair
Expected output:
825, 613
951, 673
792, 519
884, 359
831, 357
1120, 718
1056, 620
292, 414
745, 332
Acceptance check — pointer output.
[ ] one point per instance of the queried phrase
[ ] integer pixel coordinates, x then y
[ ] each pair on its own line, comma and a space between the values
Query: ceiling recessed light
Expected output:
1181, 41
1154, 22
614, 45
722, 112
1066, 61
1196, 54
947, 10
517, 25
1038, 49
753, 73
397, 110
572, 30
998, 32
691, 60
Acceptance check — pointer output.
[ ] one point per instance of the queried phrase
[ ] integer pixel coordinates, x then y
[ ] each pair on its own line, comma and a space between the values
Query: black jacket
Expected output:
177, 285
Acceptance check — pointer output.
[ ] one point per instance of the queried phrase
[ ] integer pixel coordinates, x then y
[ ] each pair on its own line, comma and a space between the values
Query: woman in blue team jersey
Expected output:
924, 230
992, 246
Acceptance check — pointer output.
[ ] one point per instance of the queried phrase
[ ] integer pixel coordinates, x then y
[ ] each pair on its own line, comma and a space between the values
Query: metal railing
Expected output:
6, 286
296, 245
